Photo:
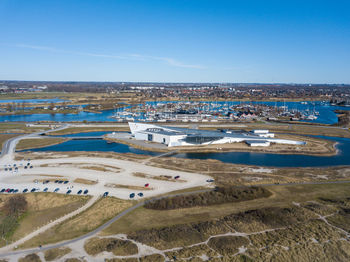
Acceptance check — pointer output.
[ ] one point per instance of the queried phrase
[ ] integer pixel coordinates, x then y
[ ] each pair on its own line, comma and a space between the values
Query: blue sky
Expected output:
176, 40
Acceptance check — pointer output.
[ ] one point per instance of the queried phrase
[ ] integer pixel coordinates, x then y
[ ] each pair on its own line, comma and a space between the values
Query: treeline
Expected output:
220, 195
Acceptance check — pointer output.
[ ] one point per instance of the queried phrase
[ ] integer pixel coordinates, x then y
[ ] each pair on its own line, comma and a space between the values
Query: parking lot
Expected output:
59, 176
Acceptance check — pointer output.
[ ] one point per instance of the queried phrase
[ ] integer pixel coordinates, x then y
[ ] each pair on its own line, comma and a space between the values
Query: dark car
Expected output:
140, 194
86, 191
33, 190
79, 192
11, 190
60, 182
31, 166
177, 177
10, 168
2, 190
46, 182
105, 194
147, 185
25, 167
56, 181
25, 190
28, 164
132, 195
210, 180
65, 182
45, 190
56, 190
69, 191
15, 191
5, 168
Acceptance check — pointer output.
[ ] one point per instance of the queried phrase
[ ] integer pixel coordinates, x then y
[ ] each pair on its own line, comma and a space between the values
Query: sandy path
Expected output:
49, 225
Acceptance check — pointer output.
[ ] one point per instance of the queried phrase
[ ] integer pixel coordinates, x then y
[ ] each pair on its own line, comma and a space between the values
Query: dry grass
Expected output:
43, 208
128, 186
99, 213
232, 174
161, 177
85, 181
56, 253
103, 168
30, 258
74, 130
4, 137
118, 247
282, 195
38, 142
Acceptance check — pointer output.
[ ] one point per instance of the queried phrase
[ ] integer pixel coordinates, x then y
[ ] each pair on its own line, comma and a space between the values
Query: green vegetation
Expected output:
219, 196
11, 212
118, 247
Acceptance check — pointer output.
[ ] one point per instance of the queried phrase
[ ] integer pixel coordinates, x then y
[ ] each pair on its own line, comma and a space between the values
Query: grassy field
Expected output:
282, 195
99, 213
42, 208
74, 130
18, 128
4, 137
39, 142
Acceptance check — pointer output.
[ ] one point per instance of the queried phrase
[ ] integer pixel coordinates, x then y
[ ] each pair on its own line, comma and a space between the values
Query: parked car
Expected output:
2, 190
105, 194
5, 168
25, 190
210, 180
140, 194
7, 190
33, 190
60, 182
132, 195
15, 191
25, 167
177, 177
147, 185
65, 182
79, 192
56, 190
31, 167
56, 181
46, 182
86, 191
69, 191
45, 189
11, 190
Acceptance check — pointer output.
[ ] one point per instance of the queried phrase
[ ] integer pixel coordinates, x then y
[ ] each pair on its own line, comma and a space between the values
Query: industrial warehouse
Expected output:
177, 136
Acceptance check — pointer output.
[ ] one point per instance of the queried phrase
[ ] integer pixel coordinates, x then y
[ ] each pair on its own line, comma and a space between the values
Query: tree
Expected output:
15, 206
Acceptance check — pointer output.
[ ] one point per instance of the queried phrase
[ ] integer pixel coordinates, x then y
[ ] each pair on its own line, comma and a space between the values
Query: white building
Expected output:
176, 136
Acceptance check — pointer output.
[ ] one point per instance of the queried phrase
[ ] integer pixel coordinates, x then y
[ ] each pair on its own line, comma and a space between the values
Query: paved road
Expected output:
97, 230
127, 211
9, 146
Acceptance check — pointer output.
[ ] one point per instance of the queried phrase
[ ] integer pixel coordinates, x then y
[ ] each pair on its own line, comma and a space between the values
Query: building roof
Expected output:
257, 141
